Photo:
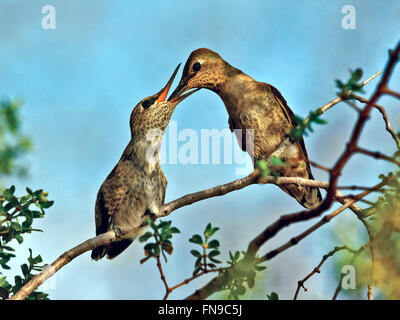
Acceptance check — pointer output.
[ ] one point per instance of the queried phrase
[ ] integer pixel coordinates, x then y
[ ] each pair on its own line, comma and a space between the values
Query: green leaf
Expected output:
198, 262
213, 244
174, 230
273, 296
195, 253
275, 161
241, 290
145, 237
196, 271
19, 238
4, 293
208, 228
16, 226
25, 269
237, 255
214, 253
167, 247
214, 260
3, 280
251, 278
46, 204
150, 246
164, 224
8, 193
262, 164
196, 239
260, 268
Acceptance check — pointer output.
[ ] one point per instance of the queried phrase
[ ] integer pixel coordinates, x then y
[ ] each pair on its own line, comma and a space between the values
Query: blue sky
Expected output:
81, 81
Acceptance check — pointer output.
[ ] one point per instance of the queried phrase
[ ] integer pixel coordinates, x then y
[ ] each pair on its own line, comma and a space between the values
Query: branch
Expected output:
377, 155
317, 269
65, 258
385, 118
219, 282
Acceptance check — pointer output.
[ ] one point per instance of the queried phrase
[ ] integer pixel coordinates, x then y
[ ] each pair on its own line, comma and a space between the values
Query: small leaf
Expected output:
198, 262
46, 204
260, 268
213, 244
150, 246
167, 247
164, 224
25, 269
214, 253
4, 293
19, 238
273, 296
196, 271
196, 239
174, 230
195, 253
145, 237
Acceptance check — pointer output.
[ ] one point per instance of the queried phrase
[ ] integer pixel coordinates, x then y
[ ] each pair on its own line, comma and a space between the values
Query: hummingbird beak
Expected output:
182, 97
164, 91
181, 88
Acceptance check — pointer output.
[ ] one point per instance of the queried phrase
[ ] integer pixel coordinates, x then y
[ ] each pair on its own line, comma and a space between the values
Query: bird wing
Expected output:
290, 118
110, 198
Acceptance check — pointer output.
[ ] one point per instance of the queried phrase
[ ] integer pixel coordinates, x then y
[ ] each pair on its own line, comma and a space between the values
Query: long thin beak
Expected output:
164, 92
179, 89
179, 99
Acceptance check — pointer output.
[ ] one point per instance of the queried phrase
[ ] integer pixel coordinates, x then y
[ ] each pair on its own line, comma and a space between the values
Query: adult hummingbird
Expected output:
257, 107
135, 188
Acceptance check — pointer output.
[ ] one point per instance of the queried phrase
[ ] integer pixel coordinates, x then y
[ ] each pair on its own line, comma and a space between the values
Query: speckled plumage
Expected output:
253, 105
135, 188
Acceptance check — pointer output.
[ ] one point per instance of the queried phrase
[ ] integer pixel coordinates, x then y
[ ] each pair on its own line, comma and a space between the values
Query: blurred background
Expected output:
80, 81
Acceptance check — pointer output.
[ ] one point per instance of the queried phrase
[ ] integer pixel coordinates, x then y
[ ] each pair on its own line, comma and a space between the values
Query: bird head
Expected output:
154, 112
203, 69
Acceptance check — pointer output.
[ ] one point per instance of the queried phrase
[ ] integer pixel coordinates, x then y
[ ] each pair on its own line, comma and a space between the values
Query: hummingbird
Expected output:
255, 107
135, 188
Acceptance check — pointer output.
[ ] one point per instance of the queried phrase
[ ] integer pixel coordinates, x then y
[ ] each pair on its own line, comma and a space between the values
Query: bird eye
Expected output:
146, 104
196, 67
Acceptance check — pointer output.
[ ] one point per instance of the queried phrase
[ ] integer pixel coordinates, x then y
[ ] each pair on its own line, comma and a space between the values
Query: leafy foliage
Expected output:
17, 214
273, 296
162, 234
239, 272
209, 248
13, 143
27, 269
16, 218
270, 167
303, 126
352, 85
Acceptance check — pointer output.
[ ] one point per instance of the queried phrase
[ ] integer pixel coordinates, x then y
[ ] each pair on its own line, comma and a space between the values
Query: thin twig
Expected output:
317, 269
385, 117
377, 155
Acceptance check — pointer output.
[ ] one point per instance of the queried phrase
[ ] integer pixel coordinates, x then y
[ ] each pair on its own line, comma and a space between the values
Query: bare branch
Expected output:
385, 117
317, 269
377, 155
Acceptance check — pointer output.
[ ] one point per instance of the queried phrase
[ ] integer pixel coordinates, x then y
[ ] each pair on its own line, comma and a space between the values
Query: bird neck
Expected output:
236, 86
143, 150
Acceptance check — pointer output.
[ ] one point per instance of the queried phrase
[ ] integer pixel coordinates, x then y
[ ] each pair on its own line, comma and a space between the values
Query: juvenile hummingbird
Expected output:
135, 188
256, 106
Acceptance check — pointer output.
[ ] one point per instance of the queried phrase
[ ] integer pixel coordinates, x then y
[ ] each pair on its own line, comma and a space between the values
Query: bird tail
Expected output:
308, 197
298, 166
112, 250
